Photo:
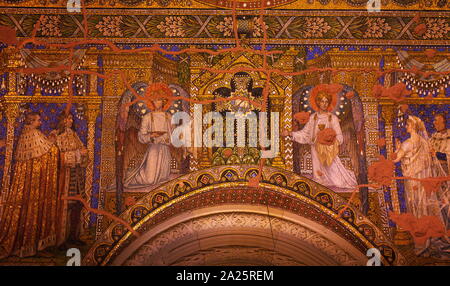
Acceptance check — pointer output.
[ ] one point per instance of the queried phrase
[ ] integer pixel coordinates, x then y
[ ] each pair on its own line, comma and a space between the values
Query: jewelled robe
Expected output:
440, 141
71, 183
28, 222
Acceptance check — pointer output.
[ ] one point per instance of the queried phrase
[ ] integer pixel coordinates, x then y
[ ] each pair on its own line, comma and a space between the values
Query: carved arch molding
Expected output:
213, 217
240, 236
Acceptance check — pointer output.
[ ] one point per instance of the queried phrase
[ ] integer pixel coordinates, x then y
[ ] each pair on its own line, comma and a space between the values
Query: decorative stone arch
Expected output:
240, 235
230, 223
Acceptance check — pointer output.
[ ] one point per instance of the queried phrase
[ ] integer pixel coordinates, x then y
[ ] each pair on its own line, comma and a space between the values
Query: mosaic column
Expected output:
11, 110
113, 88
277, 105
14, 61
91, 115
196, 61
206, 152
388, 113
193, 162
107, 152
286, 121
286, 63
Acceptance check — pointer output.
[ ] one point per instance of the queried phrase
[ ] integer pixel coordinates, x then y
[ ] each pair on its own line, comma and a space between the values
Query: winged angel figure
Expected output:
145, 156
342, 115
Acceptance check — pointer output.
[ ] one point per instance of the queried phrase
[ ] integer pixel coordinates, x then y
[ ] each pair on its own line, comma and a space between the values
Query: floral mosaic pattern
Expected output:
258, 27
110, 26
316, 27
226, 26
50, 26
172, 26
436, 28
377, 28
369, 28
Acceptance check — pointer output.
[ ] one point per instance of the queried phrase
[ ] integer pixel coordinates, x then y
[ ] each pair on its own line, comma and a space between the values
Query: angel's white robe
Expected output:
155, 166
335, 174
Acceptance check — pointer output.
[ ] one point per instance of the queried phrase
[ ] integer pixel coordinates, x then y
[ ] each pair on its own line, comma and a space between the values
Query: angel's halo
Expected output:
332, 89
158, 91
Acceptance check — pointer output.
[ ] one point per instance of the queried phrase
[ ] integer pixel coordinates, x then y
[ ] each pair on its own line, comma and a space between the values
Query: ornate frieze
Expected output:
209, 26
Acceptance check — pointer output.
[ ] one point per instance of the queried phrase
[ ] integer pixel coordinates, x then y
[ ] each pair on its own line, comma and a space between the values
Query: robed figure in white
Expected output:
155, 131
328, 169
419, 162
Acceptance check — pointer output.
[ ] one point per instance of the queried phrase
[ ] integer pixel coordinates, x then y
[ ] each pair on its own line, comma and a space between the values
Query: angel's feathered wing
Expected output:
128, 148
133, 150
352, 126
354, 137
349, 146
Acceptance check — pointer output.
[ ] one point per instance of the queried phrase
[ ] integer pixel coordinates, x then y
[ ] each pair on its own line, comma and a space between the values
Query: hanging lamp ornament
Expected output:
432, 68
53, 81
